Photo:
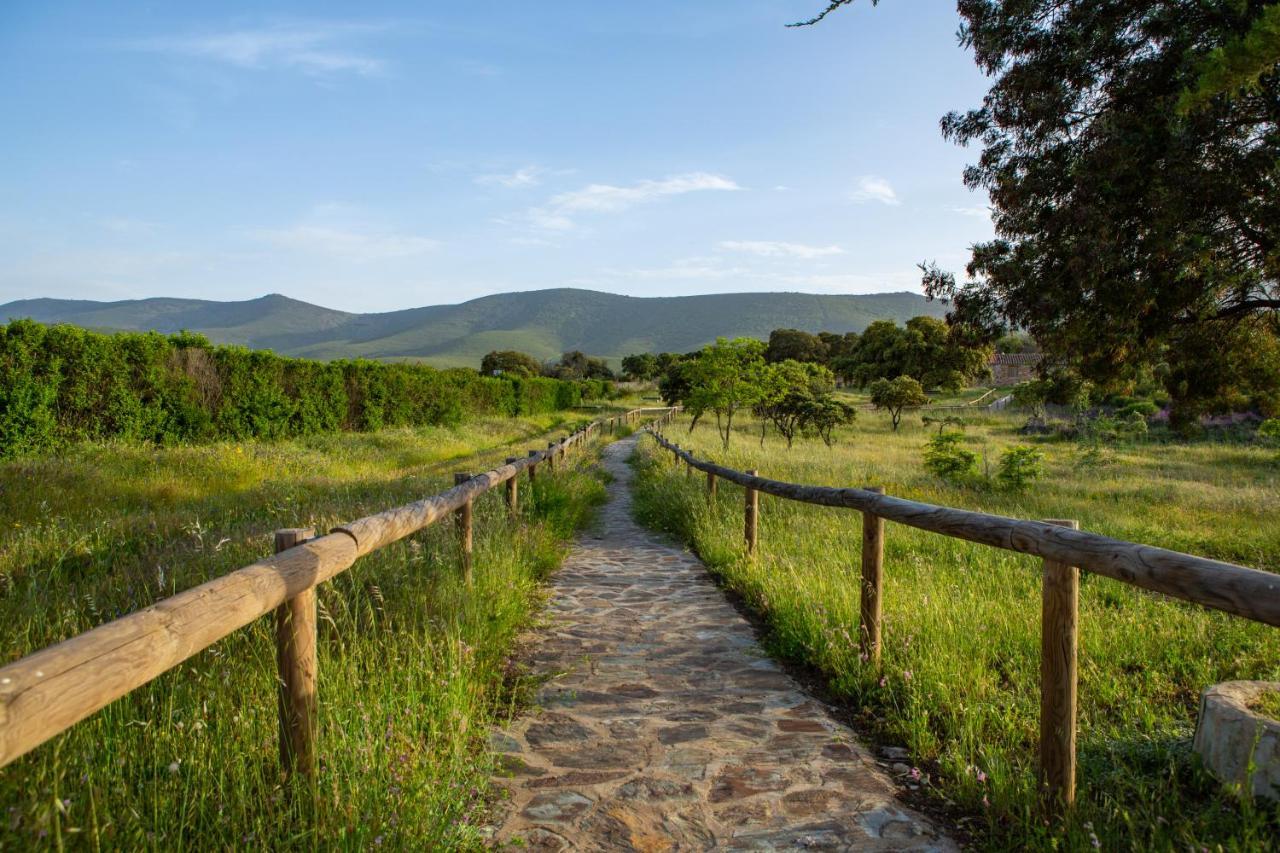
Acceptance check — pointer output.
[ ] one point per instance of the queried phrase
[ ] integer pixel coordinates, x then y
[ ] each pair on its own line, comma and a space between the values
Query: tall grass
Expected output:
411, 661
960, 681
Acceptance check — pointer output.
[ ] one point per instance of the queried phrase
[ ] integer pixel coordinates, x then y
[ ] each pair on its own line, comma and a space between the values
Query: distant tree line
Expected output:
926, 349
573, 365
61, 383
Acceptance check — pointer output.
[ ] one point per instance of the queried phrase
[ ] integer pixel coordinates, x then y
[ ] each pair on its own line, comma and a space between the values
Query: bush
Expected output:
944, 457
1269, 431
1019, 466
1143, 408
60, 384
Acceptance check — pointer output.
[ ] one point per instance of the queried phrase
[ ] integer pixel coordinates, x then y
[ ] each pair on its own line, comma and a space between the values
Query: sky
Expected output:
377, 156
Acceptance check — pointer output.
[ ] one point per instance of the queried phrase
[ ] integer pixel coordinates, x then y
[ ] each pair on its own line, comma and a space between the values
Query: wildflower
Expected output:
982, 777
915, 774
985, 802
906, 675
883, 681
173, 767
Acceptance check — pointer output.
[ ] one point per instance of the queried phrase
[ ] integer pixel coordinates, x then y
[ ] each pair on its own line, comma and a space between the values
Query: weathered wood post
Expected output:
296, 661
688, 470
752, 513
513, 487
551, 456
711, 486
1059, 638
533, 467
872, 583
464, 528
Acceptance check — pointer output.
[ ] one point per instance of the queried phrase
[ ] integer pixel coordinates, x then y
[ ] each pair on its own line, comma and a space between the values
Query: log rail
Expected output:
48, 691
1237, 590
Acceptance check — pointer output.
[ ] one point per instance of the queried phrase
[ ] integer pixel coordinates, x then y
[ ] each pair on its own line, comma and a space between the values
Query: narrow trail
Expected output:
665, 727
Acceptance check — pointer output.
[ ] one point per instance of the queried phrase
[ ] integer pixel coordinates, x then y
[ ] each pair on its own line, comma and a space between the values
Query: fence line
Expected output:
48, 691
1238, 590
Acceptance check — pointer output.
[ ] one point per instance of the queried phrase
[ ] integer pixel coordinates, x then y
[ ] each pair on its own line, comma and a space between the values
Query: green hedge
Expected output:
60, 384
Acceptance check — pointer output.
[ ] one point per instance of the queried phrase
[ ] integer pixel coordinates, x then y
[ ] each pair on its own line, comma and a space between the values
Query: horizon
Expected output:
407, 157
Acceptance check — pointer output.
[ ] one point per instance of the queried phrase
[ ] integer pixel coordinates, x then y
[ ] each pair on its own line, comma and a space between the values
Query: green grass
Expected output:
960, 683
1269, 704
412, 663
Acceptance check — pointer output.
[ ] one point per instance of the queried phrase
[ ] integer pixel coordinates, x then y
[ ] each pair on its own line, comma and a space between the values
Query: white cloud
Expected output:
528, 176
556, 214
872, 188
976, 212
312, 49
775, 249
363, 246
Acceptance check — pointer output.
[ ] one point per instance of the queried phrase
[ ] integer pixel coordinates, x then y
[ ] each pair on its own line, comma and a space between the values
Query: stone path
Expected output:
665, 727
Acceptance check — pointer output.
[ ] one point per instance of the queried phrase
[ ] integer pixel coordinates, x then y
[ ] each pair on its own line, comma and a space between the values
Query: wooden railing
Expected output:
45, 693
1065, 550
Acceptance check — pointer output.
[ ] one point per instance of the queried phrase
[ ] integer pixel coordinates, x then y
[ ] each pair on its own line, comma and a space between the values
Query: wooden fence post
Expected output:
1059, 639
513, 487
533, 467
464, 528
551, 456
752, 514
296, 662
872, 583
711, 486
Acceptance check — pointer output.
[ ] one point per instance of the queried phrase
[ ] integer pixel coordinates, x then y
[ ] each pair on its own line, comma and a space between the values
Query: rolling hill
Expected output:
543, 323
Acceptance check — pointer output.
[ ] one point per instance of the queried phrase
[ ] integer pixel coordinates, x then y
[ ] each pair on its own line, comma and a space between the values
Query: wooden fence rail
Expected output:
1240, 591
48, 691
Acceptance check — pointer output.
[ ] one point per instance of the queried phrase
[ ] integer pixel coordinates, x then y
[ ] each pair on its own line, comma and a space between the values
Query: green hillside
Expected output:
543, 323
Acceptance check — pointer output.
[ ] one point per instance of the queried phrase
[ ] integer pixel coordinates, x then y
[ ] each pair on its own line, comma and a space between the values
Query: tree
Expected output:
640, 367
676, 381
786, 391
578, 365
894, 395
724, 379
1129, 151
822, 413
796, 345
509, 363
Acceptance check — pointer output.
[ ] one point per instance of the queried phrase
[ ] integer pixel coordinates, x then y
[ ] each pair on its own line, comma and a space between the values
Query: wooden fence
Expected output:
45, 693
1065, 550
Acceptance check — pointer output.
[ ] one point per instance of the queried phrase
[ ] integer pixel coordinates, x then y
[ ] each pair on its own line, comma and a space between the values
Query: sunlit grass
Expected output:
960, 683
412, 663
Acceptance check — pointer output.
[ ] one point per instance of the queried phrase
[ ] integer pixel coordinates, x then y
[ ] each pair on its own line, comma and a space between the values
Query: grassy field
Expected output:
960, 683
412, 663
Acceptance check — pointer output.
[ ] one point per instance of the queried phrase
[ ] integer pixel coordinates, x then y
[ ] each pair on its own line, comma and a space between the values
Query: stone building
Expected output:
1010, 368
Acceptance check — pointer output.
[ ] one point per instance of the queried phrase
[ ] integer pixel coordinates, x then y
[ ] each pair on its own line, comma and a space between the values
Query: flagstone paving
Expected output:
663, 725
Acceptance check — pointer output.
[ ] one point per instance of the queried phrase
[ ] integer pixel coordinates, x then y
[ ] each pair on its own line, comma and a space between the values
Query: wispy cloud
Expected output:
873, 188
557, 214
976, 212
776, 249
527, 176
353, 245
315, 48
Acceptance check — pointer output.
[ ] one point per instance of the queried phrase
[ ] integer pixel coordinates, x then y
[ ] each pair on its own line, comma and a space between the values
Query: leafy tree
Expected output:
578, 365
725, 379
795, 345
1130, 152
946, 459
676, 381
509, 363
927, 349
894, 395
787, 391
822, 413
641, 366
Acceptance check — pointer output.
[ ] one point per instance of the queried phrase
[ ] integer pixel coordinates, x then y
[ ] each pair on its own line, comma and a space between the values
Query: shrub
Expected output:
1019, 466
60, 384
944, 457
1143, 408
1269, 431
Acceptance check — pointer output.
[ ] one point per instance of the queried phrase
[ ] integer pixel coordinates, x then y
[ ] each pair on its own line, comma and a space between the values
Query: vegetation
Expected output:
1129, 152
509, 363
960, 681
412, 663
640, 367
543, 323
577, 365
61, 384
896, 395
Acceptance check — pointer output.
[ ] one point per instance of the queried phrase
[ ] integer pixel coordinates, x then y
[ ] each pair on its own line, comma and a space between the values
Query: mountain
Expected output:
543, 323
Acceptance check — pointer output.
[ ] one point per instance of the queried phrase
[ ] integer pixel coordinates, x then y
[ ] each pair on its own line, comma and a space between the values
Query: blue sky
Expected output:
377, 156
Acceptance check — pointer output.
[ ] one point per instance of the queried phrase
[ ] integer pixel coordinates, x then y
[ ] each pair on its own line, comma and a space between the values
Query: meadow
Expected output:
960, 681
412, 663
